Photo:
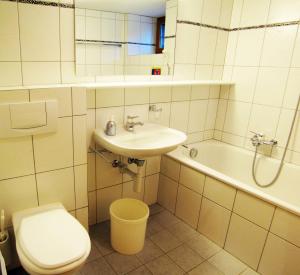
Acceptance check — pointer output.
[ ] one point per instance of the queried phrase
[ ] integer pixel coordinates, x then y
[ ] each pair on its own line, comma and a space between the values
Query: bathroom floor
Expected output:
171, 248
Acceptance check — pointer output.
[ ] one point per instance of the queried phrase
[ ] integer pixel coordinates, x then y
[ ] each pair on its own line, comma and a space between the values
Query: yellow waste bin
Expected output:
128, 218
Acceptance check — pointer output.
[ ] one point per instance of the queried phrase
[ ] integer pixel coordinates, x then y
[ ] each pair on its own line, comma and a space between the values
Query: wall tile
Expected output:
160, 94
200, 92
254, 209
38, 44
106, 175
187, 37
207, 46
153, 165
247, 249
91, 173
163, 117
219, 192
283, 11
237, 117
192, 179
11, 74
211, 114
34, 73
213, 221
211, 12
179, 123
264, 119
279, 257
105, 197
17, 194
62, 95
79, 139
181, 93
292, 89
167, 193
82, 217
91, 98
188, 206
279, 43
170, 168
79, 101
54, 150
254, 13
128, 191
57, 186
190, 10
67, 35
92, 199
286, 225
80, 173
16, 157
249, 47
197, 115
109, 97
136, 96
9, 32
151, 189
245, 79
296, 53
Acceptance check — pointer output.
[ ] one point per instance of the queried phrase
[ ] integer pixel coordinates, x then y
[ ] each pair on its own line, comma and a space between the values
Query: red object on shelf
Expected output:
156, 71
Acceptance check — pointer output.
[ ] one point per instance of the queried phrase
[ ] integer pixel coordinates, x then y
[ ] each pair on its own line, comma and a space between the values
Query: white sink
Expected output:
146, 141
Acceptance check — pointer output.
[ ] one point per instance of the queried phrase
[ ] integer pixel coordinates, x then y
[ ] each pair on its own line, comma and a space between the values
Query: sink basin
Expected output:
146, 141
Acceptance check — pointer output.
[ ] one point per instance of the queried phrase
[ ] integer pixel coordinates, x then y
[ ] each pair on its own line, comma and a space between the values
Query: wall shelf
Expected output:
125, 84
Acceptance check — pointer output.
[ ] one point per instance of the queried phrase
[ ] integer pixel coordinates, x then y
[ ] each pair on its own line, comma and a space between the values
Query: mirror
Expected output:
121, 37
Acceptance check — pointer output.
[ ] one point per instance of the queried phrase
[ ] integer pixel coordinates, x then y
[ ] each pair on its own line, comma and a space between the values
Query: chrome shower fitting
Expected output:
259, 139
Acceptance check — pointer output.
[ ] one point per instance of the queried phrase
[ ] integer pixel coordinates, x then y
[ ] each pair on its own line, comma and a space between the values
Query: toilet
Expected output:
49, 240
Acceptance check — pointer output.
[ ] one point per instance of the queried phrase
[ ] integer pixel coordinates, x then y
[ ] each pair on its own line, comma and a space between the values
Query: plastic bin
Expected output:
128, 218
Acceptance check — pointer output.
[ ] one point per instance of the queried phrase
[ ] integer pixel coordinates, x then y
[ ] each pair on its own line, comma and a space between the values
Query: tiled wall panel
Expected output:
47, 168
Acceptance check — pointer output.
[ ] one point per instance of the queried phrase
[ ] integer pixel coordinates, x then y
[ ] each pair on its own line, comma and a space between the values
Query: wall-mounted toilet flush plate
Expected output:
28, 118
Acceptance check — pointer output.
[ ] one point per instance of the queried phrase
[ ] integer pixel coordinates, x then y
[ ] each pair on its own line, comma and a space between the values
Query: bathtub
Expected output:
233, 166
216, 195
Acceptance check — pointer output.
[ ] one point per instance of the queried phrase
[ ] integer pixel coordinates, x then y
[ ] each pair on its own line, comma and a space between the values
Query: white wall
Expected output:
264, 64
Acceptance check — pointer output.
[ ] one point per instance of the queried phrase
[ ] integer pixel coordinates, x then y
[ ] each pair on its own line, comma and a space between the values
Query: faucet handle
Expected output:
257, 134
132, 117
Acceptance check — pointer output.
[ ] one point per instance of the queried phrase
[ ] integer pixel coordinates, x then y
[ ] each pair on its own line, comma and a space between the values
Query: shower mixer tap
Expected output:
259, 139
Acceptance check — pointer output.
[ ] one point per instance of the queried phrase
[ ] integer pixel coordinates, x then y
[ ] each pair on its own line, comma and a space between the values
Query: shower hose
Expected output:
283, 156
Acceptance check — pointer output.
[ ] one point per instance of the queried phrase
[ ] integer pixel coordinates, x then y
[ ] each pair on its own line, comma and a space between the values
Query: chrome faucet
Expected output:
129, 126
259, 139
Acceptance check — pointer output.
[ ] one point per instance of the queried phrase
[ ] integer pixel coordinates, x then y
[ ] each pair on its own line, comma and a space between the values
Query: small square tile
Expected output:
153, 227
94, 254
149, 252
227, 263
99, 267
185, 257
166, 219
122, 264
140, 271
182, 231
203, 246
164, 266
165, 240
205, 269
249, 271
100, 229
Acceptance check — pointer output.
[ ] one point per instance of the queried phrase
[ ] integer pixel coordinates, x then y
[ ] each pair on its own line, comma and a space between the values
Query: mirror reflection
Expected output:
116, 37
